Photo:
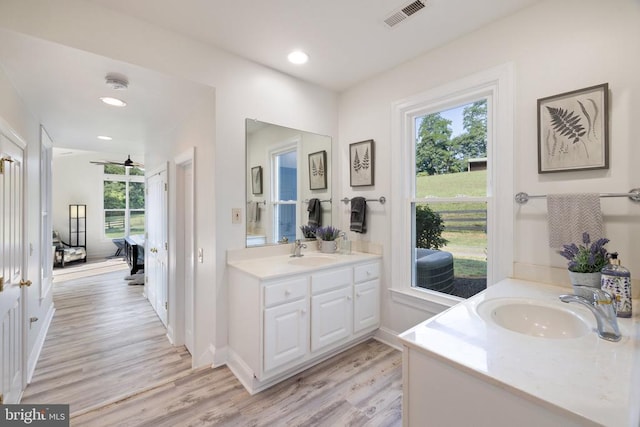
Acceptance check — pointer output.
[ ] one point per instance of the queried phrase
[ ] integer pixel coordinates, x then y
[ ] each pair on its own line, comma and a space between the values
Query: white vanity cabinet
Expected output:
281, 325
331, 307
286, 322
366, 298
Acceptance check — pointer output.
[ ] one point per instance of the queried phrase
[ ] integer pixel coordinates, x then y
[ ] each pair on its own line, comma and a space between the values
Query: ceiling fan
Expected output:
127, 163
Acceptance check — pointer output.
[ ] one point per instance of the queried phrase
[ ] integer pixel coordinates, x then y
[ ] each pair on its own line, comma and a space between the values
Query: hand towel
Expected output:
570, 215
256, 216
358, 215
315, 213
251, 212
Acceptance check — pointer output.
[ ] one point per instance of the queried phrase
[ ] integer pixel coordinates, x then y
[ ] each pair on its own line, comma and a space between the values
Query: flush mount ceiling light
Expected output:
114, 102
298, 57
104, 137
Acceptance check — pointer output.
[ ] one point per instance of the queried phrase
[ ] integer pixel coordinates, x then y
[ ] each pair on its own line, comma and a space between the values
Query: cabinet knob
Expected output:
303, 311
358, 294
287, 292
349, 298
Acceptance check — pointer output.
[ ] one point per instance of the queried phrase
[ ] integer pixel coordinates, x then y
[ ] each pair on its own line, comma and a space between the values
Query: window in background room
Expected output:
285, 193
449, 206
123, 195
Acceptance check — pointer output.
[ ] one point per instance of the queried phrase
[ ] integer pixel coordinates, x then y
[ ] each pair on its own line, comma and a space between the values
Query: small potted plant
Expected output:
308, 231
327, 238
586, 261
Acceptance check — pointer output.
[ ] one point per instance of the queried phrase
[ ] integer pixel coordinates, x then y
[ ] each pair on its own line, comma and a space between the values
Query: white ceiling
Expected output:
346, 39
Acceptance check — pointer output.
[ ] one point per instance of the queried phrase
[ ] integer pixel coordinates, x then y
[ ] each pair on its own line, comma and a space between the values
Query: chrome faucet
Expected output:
601, 305
297, 248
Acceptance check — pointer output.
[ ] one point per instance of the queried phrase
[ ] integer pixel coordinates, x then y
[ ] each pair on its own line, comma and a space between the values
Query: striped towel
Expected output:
570, 215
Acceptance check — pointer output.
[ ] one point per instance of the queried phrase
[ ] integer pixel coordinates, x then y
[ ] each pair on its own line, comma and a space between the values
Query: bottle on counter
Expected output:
617, 281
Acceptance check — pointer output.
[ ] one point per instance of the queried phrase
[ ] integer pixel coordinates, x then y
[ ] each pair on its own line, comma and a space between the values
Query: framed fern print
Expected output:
573, 130
361, 163
318, 170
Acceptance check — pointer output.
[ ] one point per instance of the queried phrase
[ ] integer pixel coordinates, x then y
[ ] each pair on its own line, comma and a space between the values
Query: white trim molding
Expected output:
497, 85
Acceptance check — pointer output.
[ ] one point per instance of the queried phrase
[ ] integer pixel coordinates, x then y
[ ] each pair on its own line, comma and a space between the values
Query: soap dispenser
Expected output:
617, 281
345, 244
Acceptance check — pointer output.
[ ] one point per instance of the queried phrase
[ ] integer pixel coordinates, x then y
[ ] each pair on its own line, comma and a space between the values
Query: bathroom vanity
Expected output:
516, 355
289, 313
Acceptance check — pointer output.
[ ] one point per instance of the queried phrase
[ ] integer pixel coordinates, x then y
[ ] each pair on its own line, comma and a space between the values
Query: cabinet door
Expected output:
331, 317
366, 305
286, 336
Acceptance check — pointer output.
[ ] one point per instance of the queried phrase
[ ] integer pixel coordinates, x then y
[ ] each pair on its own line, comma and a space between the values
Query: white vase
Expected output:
591, 280
328, 246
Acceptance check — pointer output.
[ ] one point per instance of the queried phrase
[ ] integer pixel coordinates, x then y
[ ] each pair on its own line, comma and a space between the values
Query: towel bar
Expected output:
382, 200
321, 201
633, 194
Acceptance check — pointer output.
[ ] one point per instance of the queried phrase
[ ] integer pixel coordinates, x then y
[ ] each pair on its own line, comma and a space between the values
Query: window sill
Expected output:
424, 300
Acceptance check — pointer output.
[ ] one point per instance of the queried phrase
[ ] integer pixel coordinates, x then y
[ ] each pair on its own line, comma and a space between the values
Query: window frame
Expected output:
496, 85
290, 145
127, 179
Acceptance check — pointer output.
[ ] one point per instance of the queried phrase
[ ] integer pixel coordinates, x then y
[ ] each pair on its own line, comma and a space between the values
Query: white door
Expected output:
366, 305
285, 333
12, 268
331, 317
156, 268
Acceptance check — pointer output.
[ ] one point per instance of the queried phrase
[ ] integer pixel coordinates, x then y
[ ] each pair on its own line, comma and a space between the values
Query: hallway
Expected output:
105, 341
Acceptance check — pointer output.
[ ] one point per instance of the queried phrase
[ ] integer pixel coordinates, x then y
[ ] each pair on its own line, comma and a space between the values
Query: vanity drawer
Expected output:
323, 282
362, 273
285, 291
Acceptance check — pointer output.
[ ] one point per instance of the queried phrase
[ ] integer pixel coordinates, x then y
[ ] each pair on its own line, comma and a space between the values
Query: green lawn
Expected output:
467, 246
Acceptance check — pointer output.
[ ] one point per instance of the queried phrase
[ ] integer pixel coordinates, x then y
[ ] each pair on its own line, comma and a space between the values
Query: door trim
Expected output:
183, 307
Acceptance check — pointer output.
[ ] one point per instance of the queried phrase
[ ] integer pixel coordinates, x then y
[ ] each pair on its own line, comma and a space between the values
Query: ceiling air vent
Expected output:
403, 13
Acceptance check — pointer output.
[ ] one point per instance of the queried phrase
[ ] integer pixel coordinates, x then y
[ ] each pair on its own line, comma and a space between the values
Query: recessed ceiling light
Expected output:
105, 138
298, 57
115, 102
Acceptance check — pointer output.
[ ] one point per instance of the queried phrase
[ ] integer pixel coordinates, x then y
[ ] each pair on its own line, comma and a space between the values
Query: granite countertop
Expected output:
272, 267
587, 376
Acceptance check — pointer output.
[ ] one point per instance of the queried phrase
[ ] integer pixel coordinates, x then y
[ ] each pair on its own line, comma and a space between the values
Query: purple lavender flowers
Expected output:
588, 257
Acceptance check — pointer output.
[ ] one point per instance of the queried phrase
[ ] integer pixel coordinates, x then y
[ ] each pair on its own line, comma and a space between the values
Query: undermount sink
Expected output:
533, 318
313, 260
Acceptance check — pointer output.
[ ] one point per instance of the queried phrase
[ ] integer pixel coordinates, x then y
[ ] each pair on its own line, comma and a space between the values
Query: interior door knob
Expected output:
25, 283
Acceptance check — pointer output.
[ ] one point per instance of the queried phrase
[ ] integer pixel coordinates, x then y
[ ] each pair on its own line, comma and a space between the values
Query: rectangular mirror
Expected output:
286, 169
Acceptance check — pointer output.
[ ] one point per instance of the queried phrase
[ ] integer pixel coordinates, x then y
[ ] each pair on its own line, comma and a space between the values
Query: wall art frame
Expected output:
256, 180
573, 130
361, 163
318, 170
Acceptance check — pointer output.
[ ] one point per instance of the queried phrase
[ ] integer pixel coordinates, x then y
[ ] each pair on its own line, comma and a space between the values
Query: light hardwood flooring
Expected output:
108, 357
105, 341
359, 387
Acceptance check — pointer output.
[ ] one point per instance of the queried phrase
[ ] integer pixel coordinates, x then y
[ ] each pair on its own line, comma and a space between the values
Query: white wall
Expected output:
555, 46
242, 89
15, 117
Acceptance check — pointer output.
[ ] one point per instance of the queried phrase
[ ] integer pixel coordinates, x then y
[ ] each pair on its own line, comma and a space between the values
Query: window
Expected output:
123, 195
285, 193
450, 236
420, 166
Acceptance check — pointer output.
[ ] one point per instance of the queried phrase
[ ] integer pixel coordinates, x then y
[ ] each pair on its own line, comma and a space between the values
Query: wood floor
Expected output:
104, 344
105, 341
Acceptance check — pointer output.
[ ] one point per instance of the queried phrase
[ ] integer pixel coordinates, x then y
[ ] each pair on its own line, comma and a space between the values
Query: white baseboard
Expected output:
388, 337
34, 355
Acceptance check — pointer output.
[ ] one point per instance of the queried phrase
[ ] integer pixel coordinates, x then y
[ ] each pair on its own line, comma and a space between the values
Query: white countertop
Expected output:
587, 376
272, 267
